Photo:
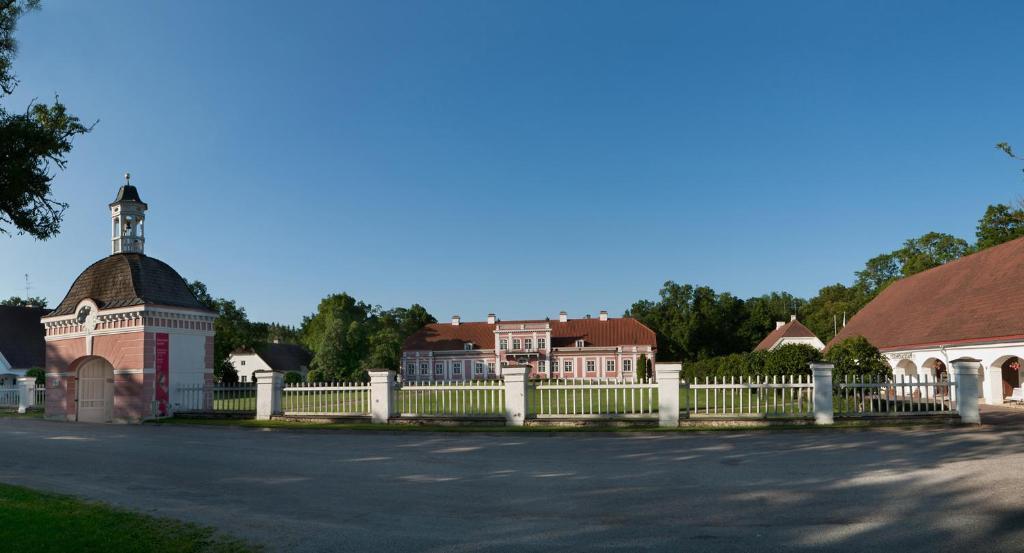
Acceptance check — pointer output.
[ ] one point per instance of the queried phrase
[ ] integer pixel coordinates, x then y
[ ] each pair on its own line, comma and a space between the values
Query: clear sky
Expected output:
521, 157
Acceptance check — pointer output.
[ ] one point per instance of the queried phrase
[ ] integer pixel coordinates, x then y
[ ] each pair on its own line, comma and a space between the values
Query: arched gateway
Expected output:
128, 333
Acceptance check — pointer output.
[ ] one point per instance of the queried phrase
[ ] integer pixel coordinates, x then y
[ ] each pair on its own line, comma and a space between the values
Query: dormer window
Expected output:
579, 343
468, 346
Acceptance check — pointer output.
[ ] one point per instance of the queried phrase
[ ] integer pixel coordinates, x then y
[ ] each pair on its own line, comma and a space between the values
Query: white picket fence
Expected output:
759, 396
472, 398
321, 398
9, 397
861, 396
239, 397
594, 397
40, 397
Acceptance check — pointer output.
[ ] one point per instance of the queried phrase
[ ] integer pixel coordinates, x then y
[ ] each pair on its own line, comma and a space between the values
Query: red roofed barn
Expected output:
567, 348
971, 307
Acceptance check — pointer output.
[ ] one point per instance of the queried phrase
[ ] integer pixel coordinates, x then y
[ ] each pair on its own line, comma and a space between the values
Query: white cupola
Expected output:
127, 216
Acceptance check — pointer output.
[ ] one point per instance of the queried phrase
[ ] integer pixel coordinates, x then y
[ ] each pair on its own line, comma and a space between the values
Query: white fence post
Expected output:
667, 375
967, 389
822, 392
384, 404
515, 395
269, 385
26, 393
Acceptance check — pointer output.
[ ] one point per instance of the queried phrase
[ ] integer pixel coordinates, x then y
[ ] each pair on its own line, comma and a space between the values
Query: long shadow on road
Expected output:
934, 489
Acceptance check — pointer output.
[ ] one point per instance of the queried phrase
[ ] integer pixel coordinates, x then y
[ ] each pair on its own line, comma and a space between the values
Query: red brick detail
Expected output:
123, 351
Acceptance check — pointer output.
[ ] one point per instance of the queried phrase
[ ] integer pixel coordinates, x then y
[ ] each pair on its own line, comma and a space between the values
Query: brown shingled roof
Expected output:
977, 298
594, 332
792, 329
125, 279
22, 340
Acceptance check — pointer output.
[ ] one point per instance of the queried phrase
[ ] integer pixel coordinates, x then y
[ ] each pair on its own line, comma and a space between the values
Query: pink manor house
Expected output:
566, 348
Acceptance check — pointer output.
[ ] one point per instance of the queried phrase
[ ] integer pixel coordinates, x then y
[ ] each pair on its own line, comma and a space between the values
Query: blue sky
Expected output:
521, 157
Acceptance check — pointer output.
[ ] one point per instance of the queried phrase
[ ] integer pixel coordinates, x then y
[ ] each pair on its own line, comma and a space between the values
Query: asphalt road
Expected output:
939, 489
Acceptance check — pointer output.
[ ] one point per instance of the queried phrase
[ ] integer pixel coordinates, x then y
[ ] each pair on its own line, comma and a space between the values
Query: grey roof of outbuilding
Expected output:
283, 357
22, 339
125, 279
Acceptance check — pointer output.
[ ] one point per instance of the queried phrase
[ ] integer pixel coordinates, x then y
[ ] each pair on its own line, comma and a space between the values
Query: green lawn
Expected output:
42, 522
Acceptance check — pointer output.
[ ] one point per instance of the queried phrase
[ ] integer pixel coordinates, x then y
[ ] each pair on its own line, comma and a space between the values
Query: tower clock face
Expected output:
83, 314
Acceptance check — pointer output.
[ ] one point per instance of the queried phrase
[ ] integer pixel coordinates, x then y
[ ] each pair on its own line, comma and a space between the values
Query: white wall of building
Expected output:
992, 356
247, 363
186, 362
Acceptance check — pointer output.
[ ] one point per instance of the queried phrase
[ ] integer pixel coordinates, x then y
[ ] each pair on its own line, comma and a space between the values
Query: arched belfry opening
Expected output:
128, 333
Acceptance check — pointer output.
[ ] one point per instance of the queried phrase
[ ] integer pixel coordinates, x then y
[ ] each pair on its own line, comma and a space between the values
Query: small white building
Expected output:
792, 332
282, 358
970, 307
22, 344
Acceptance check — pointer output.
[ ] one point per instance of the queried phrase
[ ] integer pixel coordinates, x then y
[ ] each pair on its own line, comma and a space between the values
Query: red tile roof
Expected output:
792, 329
594, 332
977, 298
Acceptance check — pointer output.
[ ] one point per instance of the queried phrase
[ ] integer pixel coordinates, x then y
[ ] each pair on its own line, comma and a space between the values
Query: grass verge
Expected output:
43, 522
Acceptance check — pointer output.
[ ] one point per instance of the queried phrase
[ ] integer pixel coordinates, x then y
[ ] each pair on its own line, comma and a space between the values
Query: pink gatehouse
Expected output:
128, 333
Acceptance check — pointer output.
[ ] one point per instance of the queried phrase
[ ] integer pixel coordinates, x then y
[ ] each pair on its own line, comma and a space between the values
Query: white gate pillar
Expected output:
823, 409
26, 393
966, 369
667, 375
515, 395
383, 395
269, 386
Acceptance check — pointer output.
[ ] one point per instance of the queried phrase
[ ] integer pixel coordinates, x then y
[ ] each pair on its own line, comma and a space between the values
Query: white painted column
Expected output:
515, 395
383, 395
994, 385
667, 375
26, 393
966, 369
823, 409
269, 386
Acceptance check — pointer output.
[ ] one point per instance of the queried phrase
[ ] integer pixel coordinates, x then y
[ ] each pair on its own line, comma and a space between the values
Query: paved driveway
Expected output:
938, 489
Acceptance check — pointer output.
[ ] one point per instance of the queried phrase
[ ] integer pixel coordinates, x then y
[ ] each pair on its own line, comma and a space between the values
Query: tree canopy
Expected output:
348, 337
33, 144
16, 301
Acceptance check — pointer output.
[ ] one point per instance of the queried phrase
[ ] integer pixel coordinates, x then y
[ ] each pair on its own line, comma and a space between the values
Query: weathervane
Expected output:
127, 178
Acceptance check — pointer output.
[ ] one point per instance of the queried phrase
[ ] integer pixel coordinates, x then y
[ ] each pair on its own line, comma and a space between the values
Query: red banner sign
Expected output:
163, 363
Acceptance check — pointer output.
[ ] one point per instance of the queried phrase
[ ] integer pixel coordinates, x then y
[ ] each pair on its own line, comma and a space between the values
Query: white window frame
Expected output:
528, 344
457, 367
580, 343
542, 366
542, 343
478, 369
609, 366
503, 343
490, 367
627, 365
439, 368
516, 342
467, 346
591, 365
568, 366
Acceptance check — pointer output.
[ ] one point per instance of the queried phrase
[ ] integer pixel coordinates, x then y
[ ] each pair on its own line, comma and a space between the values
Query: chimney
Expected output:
603, 315
563, 317
491, 318
778, 324
456, 320
792, 317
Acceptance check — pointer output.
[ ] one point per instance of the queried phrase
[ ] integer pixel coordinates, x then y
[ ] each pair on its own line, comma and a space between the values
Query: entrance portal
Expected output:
95, 391
1011, 375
